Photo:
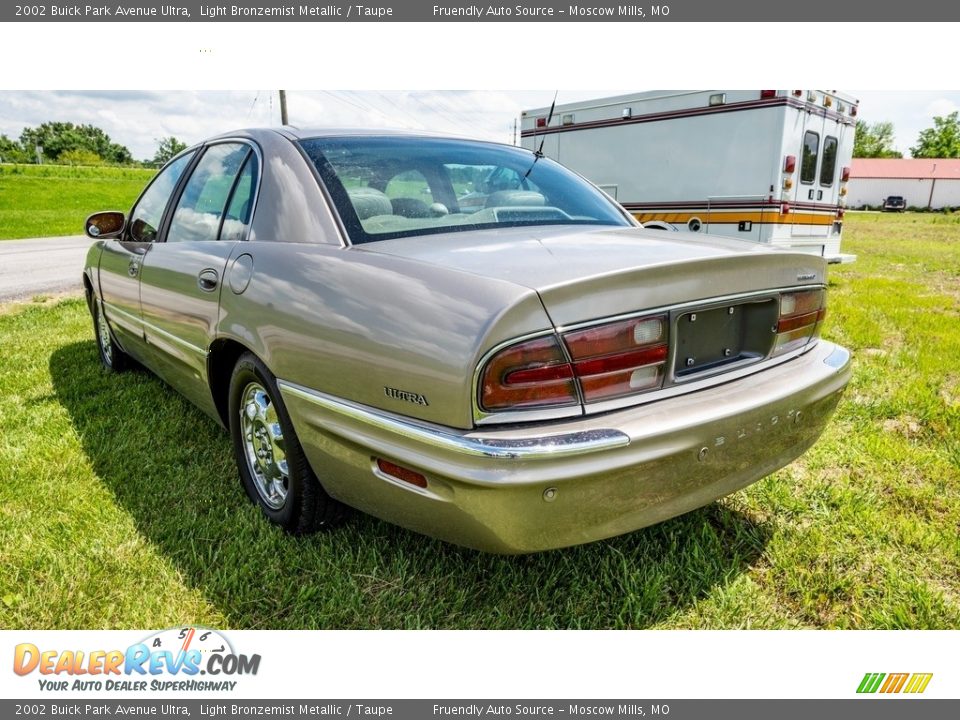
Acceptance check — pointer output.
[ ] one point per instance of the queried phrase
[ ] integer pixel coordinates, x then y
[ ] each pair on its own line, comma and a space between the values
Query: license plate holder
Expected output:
711, 338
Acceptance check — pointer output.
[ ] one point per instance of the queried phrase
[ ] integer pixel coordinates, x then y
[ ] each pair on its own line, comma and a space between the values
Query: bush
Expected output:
79, 157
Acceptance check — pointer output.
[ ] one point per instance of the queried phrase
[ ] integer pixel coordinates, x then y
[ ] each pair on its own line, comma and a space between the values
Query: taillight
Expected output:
607, 361
531, 374
619, 358
789, 163
845, 174
801, 314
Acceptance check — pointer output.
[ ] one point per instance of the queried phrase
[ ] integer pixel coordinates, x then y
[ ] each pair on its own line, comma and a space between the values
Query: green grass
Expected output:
52, 200
120, 504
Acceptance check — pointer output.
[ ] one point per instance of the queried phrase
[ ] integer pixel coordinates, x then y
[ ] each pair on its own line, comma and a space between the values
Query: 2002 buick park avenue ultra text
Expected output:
459, 337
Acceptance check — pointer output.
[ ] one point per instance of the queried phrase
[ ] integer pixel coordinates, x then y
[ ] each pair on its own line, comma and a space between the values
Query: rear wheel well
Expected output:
221, 360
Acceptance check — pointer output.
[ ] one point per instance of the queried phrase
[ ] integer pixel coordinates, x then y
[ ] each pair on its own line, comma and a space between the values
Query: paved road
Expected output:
40, 266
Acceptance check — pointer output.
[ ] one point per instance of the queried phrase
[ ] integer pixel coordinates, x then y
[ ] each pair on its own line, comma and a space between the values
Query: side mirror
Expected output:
104, 225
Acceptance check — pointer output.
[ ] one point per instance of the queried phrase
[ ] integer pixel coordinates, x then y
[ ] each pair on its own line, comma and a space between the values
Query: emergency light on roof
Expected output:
627, 113
797, 93
718, 99
764, 94
827, 101
541, 122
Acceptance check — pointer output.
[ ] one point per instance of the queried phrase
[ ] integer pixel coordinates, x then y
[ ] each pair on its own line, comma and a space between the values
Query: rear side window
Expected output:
808, 167
828, 168
237, 219
148, 212
200, 209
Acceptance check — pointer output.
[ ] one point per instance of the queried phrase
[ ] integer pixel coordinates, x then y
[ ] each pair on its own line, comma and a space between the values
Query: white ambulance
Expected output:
765, 165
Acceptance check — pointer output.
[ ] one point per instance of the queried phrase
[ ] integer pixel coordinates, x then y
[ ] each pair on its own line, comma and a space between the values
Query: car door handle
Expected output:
810, 195
208, 279
819, 194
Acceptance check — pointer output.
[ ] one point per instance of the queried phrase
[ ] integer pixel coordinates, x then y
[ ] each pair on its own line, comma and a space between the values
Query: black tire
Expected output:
304, 506
112, 357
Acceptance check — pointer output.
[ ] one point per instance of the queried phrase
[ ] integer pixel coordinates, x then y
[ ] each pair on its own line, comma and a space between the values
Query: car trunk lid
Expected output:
584, 274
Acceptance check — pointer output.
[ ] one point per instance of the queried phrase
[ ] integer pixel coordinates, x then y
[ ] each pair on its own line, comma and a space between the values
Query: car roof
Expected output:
297, 133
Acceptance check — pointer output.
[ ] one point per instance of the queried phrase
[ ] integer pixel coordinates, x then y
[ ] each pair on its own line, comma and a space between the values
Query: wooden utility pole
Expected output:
283, 108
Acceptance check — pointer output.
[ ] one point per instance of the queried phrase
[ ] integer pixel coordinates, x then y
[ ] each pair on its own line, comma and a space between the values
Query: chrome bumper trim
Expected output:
534, 448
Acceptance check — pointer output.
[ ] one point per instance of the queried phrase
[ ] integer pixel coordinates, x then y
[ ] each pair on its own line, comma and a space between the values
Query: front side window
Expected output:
146, 215
808, 167
828, 168
389, 187
201, 206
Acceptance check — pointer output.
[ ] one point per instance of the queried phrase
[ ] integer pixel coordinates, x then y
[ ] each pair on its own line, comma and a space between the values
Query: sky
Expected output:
139, 118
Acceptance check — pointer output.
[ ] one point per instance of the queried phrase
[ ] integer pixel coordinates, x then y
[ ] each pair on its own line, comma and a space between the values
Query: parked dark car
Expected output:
460, 337
894, 203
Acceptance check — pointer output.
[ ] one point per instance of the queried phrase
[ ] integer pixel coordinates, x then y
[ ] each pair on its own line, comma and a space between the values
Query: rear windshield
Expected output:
389, 187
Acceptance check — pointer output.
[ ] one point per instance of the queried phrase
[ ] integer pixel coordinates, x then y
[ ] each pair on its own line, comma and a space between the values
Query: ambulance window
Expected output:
828, 168
808, 167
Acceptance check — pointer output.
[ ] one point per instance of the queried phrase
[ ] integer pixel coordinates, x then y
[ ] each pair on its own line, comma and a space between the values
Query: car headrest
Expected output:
369, 202
410, 207
515, 198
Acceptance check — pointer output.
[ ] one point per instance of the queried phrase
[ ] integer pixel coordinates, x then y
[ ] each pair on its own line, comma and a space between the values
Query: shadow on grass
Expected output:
171, 469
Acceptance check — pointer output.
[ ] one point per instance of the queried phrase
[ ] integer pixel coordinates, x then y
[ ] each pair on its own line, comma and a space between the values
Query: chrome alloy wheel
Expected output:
264, 446
103, 334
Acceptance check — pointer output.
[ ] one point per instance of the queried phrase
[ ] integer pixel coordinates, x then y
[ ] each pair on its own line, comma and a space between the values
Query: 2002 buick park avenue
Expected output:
459, 337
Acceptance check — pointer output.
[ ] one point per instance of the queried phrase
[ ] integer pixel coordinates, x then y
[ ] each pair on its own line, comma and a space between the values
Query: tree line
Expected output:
64, 143
875, 140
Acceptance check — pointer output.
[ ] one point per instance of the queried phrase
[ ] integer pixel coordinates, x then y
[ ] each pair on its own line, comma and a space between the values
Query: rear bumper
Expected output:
532, 488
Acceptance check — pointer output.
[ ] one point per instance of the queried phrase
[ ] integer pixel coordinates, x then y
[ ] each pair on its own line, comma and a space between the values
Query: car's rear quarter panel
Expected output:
350, 323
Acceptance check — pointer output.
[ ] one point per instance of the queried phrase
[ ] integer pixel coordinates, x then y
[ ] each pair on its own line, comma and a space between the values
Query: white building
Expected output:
924, 183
